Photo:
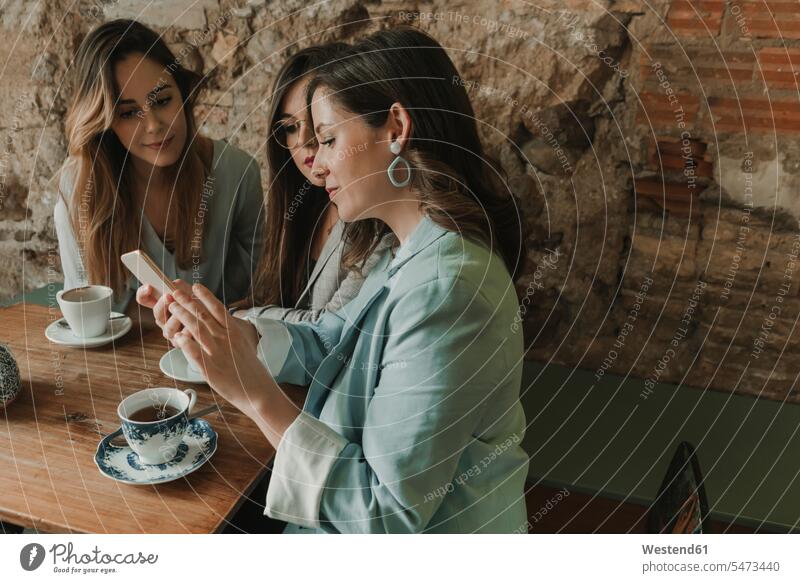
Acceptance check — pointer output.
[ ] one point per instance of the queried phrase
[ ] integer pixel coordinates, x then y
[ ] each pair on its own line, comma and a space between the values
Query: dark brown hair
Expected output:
460, 187
294, 205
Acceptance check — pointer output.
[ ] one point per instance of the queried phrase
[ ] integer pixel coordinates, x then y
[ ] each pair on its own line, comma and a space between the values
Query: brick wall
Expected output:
653, 147
715, 216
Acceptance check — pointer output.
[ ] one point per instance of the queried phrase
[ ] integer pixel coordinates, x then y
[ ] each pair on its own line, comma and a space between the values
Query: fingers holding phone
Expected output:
161, 311
147, 296
156, 290
169, 324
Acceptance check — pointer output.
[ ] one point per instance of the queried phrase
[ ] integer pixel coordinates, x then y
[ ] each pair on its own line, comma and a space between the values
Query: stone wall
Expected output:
652, 145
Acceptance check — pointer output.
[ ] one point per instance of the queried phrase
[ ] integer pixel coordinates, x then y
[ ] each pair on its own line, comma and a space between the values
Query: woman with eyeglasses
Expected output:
413, 421
307, 264
311, 262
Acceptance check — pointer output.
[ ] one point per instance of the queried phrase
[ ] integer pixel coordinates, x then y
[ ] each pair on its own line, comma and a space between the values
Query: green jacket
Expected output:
413, 421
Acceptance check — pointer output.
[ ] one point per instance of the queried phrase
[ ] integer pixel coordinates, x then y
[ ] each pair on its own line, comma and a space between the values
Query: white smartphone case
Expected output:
146, 271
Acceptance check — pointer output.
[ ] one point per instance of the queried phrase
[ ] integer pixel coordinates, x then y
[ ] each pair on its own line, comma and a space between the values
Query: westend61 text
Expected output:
675, 550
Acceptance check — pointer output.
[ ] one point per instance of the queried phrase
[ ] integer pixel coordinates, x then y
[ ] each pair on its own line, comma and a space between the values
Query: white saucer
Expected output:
122, 464
174, 365
64, 336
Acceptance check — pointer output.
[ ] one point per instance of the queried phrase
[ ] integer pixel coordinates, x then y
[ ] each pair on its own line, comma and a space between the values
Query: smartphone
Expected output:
146, 271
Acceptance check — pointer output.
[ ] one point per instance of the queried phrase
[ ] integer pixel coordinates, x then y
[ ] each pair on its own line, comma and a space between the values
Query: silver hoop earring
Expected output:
395, 149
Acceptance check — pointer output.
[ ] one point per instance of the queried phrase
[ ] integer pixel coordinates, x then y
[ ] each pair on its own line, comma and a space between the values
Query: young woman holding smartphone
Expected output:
413, 421
139, 176
305, 268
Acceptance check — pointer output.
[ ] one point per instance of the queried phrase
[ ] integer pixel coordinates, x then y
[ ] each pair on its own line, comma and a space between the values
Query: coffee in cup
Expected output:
87, 309
154, 422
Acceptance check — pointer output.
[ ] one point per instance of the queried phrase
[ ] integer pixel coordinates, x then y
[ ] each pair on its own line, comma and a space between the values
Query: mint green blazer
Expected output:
413, 421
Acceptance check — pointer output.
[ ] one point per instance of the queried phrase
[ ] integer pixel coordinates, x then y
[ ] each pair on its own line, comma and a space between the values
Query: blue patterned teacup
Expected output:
154, 422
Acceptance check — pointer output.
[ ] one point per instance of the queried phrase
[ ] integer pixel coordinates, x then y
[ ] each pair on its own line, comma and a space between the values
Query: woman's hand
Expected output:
224, 348
146, 296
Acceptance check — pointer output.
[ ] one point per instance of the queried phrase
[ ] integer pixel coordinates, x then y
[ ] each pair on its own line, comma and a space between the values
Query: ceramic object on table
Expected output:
10, 384
175, 365
157, 436
117, 327
87, 309
123, 465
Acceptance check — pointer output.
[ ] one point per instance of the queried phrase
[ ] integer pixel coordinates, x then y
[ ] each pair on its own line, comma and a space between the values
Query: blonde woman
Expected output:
140, 176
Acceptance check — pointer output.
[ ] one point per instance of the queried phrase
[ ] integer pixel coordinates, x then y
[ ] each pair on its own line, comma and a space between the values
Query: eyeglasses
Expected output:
287, 134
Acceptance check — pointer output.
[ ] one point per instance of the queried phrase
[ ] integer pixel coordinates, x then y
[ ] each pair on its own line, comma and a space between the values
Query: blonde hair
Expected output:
102, 211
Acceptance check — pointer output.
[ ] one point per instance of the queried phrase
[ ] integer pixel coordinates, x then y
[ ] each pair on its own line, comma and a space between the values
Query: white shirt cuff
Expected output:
304, 459
248, 313
274, 344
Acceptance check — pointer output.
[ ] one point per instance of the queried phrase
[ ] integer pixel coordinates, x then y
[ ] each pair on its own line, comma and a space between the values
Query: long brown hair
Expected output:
294, 205
103, 212
460, 187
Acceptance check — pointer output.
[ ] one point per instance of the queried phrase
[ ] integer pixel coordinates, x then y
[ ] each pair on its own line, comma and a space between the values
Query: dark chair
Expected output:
681, 506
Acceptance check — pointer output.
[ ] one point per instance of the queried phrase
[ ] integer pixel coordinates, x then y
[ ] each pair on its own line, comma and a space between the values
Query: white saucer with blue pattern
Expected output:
122, 464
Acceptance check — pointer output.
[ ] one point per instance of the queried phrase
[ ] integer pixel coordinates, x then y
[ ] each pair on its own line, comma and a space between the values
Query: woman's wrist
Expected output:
271, 410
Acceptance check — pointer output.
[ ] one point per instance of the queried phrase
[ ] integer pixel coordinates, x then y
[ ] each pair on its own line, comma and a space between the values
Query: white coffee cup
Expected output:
87, 309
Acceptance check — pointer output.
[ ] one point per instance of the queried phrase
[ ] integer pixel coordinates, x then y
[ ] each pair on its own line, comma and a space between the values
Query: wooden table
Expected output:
49, 435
